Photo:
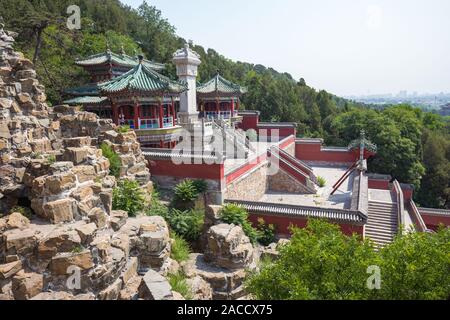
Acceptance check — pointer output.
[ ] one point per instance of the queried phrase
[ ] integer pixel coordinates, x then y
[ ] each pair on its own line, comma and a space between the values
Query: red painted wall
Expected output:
282, 131
283, 222
433, 221
196, 171
314, 152
379, 184
407, 194
249, 121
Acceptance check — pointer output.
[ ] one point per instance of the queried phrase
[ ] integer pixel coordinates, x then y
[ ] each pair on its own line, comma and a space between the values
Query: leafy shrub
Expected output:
200, 185
187, 224
234, 214
128, 196
321, 181
266, 232
178, 283
26, 212
123, 129
185, 195
114, 160
180, 248
186, 191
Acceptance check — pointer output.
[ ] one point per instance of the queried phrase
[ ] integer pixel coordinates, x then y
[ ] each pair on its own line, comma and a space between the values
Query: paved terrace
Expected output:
340, 200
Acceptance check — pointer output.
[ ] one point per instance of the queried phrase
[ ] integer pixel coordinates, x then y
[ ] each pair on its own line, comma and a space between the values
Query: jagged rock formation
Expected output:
73, 245
228, 255
49, 157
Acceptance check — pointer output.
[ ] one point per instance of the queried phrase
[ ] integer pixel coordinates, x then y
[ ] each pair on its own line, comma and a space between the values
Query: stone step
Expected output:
381, 227
380, 236
383, 214
381, 218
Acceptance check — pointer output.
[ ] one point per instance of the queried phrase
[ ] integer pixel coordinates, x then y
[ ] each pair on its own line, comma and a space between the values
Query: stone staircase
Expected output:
382, 222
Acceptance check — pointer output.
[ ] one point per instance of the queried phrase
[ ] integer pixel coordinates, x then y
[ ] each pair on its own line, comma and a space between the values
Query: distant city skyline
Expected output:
345, 47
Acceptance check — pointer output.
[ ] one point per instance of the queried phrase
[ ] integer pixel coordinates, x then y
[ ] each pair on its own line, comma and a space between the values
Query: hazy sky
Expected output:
344, 46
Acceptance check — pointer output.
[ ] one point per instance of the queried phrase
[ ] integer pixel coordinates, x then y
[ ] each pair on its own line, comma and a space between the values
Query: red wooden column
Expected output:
160, 113
217, 107
232, 107
136, 116
172, 111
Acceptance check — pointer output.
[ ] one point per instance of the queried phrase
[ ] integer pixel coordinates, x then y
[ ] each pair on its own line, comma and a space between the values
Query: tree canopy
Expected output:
322, 263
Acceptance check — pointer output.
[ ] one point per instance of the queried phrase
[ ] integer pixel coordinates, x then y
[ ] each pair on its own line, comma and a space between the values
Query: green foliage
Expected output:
51, 159
123, 129
157, 208
319, 263
26, 212
180, 249
185, 195
128, 196
77, 249
322, 263
200, 185
234, 214
187, 224
114, 160
266, 232
416, 267
321, 181
178, 283
186, 191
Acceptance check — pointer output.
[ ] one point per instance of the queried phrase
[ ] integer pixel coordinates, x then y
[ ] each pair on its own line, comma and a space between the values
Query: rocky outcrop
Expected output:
228, 247
219, 273
73, 245
50, 157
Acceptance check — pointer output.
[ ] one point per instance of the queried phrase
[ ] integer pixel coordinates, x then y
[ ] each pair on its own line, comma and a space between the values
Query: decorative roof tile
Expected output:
142, 79
119, 59
301, 211
220, 86
86, 100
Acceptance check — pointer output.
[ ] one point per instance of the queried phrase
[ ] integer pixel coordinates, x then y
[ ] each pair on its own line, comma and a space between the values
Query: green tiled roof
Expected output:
119, 59
220, 86
85, 100
143, 79
87, 90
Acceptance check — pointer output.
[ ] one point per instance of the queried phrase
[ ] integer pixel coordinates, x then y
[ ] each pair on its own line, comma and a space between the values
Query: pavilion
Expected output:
218, 98
145, 100
103, 66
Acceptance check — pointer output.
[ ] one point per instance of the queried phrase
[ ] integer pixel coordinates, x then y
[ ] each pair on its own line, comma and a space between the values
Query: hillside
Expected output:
413, 145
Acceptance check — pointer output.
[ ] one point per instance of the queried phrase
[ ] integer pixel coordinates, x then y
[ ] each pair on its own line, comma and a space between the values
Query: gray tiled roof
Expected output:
300, 211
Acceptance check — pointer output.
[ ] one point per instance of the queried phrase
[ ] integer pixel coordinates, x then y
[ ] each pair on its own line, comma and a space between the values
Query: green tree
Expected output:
416, 266
319, 263
322, 263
